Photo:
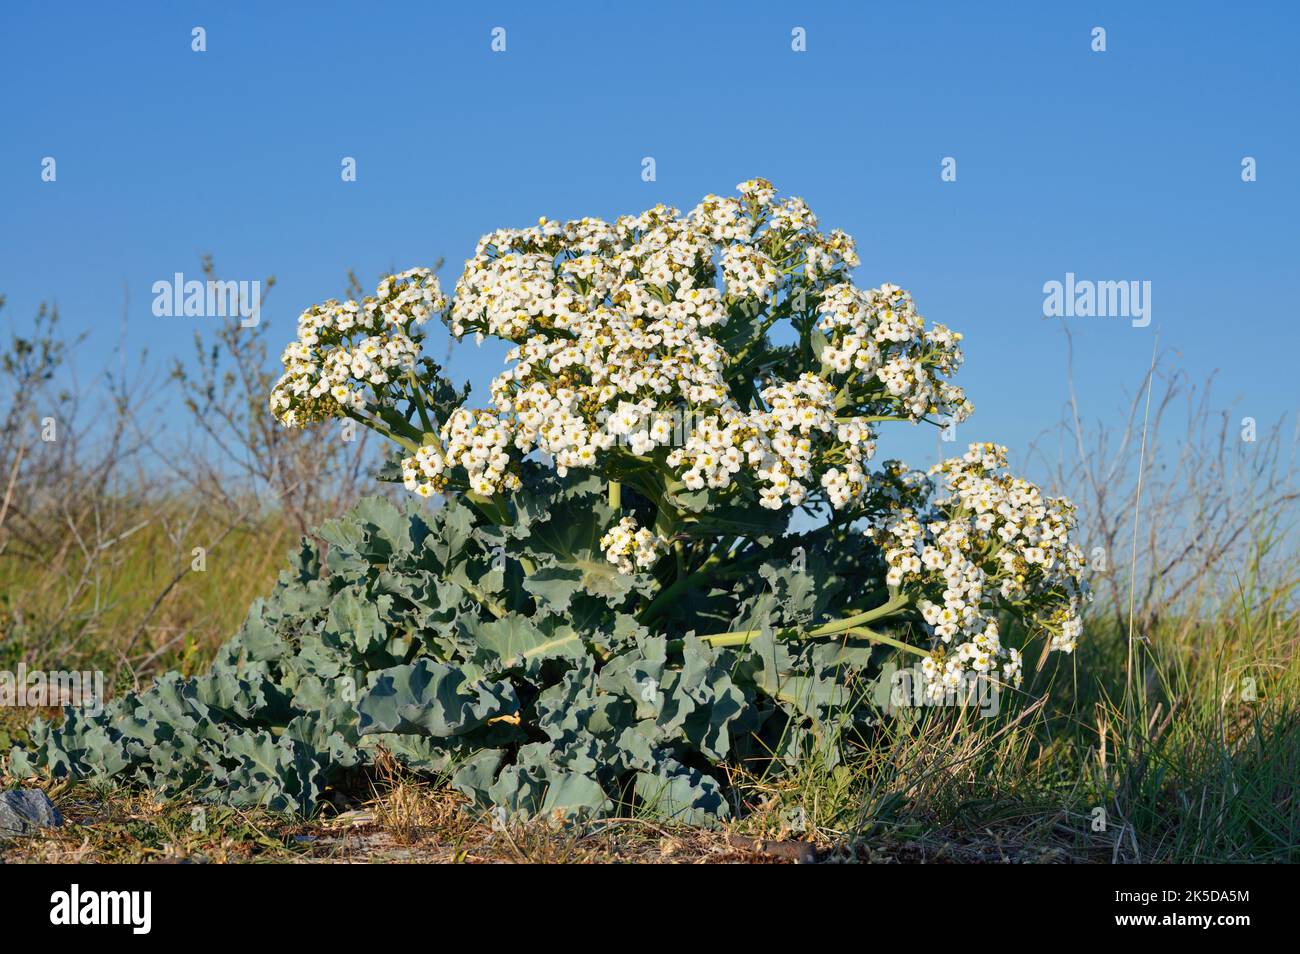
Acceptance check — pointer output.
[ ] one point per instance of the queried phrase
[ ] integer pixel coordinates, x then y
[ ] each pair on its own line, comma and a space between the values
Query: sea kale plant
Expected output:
660, 550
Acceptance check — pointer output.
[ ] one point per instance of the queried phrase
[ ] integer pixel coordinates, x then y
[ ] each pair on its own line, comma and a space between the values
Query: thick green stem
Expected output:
679, 586
497, 511
398, 424
849, 624
380, 427
871, 634
615, 495
493, 607
886, 609
418, 396
746, 636
491, 507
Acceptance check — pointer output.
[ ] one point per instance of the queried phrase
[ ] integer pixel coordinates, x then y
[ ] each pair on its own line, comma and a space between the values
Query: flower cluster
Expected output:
347, 354
629, 547
878, 333
474, 440
622, 331
991, 541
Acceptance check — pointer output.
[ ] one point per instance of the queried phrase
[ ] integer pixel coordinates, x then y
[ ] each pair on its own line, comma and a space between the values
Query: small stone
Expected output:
25, 810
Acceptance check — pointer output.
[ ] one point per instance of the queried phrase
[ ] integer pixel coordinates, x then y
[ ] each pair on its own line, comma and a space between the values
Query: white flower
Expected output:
348, 354
630, 548
975, 556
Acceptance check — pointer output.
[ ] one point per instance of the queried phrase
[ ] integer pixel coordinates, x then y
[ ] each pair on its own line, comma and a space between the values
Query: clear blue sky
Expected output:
1122, 165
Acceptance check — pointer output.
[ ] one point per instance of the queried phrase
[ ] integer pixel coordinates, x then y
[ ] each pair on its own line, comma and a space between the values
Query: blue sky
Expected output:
1122, 165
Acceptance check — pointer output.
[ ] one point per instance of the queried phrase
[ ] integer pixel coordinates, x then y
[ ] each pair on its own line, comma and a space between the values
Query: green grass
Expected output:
135, 606
1198, 764
1193, 754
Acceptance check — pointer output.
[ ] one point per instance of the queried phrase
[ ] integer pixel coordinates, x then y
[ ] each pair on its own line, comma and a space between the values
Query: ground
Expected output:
413, 821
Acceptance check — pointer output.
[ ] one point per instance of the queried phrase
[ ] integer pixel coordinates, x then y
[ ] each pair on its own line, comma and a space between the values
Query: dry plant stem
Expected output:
9, 489
1137, 510
1207, 496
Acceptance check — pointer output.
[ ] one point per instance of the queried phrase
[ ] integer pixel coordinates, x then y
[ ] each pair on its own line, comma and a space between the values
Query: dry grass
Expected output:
137, 605
410, 821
